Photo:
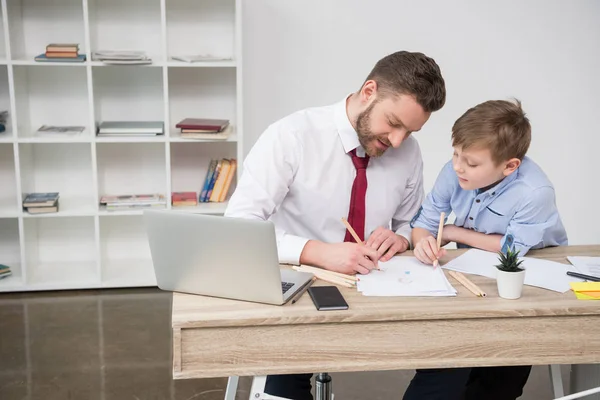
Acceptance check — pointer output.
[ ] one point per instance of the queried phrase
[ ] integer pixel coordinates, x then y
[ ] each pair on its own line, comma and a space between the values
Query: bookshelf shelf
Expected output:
10, 252
203, 208
124, 252
29, 61
8, 183
35, 23
60, 251
43, 95
83, 245
202, 64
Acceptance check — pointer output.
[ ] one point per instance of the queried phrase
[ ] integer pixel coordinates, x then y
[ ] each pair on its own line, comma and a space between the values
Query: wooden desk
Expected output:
217, 337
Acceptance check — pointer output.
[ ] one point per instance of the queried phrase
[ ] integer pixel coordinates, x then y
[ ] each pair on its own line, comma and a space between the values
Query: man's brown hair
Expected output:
498, 125
409, 73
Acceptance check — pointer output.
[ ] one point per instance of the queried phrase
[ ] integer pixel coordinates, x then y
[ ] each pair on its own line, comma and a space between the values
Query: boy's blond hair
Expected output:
498, 125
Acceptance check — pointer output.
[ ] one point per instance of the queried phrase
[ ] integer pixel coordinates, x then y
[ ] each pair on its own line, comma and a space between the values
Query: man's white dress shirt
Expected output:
299, 175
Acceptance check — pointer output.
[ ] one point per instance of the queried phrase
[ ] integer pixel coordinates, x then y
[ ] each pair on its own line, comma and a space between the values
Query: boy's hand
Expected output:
426, 250
387, 243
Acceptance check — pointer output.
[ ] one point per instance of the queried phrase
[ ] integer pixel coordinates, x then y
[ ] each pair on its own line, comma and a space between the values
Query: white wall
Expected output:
302, 53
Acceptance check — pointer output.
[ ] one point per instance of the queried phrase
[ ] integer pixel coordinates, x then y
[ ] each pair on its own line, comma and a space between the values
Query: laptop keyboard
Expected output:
285, 286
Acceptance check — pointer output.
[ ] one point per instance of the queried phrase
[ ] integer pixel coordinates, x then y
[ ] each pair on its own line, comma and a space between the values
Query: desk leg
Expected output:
556, 379
232, 385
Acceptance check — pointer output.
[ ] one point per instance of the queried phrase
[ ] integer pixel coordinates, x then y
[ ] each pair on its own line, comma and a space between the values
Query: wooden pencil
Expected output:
352, 231
439, 236
308, 268
466, 282
355, 236
328, 278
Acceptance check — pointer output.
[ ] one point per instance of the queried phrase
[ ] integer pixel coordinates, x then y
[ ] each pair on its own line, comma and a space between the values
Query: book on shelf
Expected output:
192, 58
61, 52
5, 271
180, 199
121, 57
62, 48
203, 128
3, 119
130, 128
41, 203
132, 201
44, 58
218, 180
60, 129
202, 124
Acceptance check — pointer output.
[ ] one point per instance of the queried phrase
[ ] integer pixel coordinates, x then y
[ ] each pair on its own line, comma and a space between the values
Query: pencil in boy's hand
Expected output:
439, 236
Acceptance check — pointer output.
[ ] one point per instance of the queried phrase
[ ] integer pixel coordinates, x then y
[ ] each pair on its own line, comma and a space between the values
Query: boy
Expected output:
502, 200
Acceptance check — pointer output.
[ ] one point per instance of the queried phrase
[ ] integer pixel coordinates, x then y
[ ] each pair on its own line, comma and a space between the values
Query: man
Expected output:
354, 159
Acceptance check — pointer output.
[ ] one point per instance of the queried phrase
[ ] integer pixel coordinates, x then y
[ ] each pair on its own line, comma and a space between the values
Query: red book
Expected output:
204, 124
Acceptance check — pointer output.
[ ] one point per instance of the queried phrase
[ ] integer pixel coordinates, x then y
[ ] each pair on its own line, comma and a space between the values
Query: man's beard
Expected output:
365, 136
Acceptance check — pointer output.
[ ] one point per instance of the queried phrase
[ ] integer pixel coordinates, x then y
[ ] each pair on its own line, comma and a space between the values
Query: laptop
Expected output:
234, 258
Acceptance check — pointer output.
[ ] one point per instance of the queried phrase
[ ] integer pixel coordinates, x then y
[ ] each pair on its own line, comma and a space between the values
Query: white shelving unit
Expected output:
84, 246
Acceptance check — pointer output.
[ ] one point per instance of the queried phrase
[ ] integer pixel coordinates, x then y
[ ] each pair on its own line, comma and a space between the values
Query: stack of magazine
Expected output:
132, 201
122, 57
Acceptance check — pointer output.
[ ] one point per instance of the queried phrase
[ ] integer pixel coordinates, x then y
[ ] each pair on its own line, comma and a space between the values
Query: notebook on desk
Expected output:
216, 256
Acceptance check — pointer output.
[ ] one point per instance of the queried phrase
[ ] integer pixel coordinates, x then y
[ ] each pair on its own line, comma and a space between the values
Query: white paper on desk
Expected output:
540, 273
405, 276
586, 265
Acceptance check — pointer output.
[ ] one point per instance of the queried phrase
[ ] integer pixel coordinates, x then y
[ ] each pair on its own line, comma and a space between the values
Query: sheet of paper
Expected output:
540, 273
405, 276
586, 265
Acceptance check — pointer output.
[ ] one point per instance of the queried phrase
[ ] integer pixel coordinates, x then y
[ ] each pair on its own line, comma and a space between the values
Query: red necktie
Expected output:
356, 214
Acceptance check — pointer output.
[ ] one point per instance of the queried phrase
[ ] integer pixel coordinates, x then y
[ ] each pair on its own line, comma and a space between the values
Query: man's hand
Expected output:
387, 243
347, 258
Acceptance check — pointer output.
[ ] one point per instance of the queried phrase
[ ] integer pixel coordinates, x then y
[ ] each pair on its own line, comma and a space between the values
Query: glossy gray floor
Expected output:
116, 344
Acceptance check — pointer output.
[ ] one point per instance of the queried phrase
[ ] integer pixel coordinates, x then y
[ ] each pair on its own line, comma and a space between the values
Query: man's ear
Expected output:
511, 166
369, 91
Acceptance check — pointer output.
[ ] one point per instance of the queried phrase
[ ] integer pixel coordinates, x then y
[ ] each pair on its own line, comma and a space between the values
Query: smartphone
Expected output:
327, 298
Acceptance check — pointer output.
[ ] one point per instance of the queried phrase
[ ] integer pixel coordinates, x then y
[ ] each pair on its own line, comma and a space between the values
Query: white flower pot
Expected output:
510, 284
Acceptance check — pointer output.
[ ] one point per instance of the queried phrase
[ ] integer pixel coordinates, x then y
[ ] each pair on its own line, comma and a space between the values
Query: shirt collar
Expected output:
348, 135
500, 186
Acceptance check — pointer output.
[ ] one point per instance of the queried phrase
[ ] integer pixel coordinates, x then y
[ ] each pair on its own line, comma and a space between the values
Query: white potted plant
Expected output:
510, 276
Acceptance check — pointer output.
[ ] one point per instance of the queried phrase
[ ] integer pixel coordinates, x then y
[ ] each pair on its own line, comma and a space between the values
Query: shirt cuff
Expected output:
405, 231
290, 248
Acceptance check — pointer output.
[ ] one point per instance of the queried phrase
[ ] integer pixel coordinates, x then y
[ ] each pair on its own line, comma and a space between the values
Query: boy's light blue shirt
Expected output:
521, 207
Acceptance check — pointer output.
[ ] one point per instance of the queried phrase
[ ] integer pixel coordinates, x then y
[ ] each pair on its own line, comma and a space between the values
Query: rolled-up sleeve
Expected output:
436, 202
534, 220
269, 170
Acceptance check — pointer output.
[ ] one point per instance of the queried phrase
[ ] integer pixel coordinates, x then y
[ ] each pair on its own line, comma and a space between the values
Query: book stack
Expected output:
132, 201
41, 203
61, 52
5, 271
130, 128
182, 199
203, 128
3, 119
122, 57
218, 180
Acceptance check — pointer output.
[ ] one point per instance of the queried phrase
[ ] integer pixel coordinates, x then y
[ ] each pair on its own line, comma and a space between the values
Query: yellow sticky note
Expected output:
584, 296
586, 290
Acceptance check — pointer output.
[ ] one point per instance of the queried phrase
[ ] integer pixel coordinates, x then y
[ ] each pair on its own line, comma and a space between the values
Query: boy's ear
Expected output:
511, 166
